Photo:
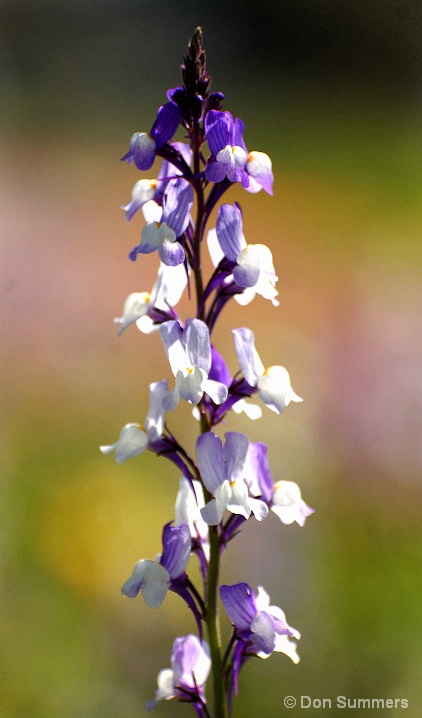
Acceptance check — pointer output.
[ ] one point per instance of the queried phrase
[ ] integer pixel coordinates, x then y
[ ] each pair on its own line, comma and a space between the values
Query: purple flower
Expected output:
261, 628
185, 680
162, 236
228, 152
222, 471
143, 147
155, 578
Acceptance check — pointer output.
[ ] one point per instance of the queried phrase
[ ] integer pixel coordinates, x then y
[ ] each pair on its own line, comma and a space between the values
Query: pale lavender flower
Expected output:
222, 471
189, 354
186, 679
154, 578
162, 236
144, 307
261, 628
273, 383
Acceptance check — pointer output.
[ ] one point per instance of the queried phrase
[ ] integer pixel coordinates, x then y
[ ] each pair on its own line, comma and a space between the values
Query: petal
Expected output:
171, 336
166, 124
263, 634
155, 586
258, 472
169, 287
136, 306
212, 513
275, 390
247, 270
250, 363
196, 338
216, 253
216, 390
218, 128
151, 579
132, 586
259, 508
252, 411
219, 370
150, 238
189, 502
189, 384
142, 192
177, 204
176, 549
259, 167
190, 660
215, 171
209, 451
229, 228
284, 645
238, 502
235, 451
288, 504
262, 599
143, 151
154, 422
239, 602
165, 689
171, 253
131, 442
152, 211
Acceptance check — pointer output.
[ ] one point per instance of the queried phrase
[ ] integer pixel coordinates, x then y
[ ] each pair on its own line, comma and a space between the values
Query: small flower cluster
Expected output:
227, 481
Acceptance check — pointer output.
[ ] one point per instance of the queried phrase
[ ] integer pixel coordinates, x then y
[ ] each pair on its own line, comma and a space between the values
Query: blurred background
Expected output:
331, 91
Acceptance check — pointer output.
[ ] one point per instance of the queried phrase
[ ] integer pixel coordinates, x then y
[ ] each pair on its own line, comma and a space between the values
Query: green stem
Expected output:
213, 625
211, 588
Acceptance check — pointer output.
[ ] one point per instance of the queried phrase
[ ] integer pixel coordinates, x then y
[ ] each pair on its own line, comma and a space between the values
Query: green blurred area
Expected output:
330, 92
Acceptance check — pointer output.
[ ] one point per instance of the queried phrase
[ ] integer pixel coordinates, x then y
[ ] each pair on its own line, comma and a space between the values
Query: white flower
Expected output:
134, 438
288, 505
273, 383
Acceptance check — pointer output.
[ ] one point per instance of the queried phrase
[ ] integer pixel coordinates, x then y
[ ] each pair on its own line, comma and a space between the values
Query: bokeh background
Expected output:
331, 90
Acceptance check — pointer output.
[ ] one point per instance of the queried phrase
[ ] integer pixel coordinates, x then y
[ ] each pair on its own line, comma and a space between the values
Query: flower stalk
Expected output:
228, 482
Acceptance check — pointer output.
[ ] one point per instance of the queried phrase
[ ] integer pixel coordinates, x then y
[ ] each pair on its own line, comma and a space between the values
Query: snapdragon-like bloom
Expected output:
284, 497
288, 505
228, 155
162, 236
253, 263
222, 471
259, 169
150, 191
143, 147
135, 438
273, 384
154, 578
186, 679
189, 354
261, 628
144, 307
